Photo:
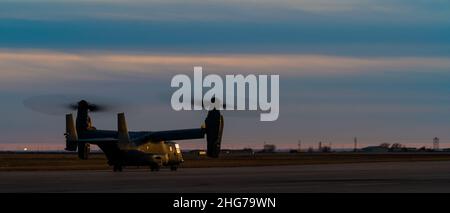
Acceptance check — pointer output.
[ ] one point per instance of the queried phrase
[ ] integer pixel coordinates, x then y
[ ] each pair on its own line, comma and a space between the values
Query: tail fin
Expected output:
122, 129
71, 134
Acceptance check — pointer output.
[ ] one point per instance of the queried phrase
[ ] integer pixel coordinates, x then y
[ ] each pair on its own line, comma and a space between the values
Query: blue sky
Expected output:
378, 70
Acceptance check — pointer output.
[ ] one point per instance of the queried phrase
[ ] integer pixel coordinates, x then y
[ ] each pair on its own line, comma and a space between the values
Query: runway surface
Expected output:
358, 177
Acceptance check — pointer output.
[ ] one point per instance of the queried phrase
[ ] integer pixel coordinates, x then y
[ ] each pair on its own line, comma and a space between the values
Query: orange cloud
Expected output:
44, 65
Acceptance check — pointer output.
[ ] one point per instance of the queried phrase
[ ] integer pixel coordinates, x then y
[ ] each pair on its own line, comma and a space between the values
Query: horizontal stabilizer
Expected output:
71, 134
122, 129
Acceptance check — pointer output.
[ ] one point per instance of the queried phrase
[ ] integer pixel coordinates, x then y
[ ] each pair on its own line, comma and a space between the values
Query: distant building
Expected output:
446, 150
410, 149
325, 149
375, 149
269, 148
246, 151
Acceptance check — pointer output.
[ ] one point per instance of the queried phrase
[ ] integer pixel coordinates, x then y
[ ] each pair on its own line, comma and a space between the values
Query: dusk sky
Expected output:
375, 69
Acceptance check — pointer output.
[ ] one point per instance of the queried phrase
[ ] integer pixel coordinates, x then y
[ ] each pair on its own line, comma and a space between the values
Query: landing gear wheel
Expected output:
117, 168
154, 168
173, 168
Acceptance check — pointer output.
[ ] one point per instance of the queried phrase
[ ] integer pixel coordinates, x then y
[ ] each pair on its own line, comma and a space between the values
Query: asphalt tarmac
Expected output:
356, 177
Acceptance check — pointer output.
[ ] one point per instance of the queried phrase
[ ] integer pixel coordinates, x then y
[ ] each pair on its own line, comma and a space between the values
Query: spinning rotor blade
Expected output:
61, 104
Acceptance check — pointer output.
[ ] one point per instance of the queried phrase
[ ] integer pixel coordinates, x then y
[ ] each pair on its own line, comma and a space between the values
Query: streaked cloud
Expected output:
48, 65
342, 28
229, 10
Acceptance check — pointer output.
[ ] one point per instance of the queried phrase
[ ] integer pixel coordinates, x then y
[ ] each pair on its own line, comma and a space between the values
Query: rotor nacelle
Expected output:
214, 130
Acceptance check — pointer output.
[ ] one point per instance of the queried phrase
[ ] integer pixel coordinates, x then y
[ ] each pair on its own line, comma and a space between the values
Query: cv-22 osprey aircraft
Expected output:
143, 148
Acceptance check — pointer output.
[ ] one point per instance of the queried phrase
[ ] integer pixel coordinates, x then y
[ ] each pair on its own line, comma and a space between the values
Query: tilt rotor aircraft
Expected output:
142, 148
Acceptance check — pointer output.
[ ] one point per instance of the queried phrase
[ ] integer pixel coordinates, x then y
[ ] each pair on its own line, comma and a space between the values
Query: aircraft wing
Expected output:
98, 140
183, 134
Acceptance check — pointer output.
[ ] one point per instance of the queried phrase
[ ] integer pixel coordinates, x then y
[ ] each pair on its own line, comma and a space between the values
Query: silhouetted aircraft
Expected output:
143, 148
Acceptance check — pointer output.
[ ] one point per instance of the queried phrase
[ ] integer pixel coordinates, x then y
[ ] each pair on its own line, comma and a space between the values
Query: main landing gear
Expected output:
117, 168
